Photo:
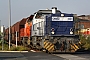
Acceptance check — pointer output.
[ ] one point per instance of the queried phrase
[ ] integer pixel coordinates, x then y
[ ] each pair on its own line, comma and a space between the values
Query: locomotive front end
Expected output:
59, 33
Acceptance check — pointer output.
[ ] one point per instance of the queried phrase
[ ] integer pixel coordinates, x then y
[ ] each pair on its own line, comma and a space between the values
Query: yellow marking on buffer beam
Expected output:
73, 47
76, 46
51, 48
46, 44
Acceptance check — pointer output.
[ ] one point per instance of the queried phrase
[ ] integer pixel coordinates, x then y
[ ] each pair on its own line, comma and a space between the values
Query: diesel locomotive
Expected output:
54, 31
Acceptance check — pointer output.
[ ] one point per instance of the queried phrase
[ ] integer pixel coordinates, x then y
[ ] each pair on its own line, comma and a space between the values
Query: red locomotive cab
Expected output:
27, 30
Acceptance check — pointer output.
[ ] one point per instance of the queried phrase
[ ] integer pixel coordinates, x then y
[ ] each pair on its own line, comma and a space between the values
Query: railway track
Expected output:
67, 56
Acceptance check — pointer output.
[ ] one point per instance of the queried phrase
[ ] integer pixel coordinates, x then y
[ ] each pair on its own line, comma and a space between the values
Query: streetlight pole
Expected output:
0, 27
9, 22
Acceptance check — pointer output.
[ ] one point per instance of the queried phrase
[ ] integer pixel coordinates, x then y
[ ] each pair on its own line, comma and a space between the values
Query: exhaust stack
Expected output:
54, 10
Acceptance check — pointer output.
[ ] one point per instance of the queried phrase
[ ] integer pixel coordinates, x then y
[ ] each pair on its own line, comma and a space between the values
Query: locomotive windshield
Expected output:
41, 15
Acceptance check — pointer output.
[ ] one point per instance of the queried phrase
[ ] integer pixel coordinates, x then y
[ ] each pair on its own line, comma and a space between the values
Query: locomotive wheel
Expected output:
28, 42
37, 46
24, 42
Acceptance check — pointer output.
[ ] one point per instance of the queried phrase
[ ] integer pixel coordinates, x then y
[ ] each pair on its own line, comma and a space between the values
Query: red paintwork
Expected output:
27, 30
22, 32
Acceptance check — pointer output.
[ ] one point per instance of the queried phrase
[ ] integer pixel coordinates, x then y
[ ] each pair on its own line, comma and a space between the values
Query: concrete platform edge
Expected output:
13, 51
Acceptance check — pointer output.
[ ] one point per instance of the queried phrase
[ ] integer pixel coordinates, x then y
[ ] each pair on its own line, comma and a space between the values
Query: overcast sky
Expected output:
24, 8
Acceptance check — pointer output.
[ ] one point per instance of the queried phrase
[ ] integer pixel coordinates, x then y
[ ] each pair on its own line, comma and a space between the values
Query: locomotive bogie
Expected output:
55, 43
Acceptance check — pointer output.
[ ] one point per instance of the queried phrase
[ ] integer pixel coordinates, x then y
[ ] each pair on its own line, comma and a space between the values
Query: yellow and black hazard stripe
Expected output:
75, 47
45, 43
51, 48
48, 46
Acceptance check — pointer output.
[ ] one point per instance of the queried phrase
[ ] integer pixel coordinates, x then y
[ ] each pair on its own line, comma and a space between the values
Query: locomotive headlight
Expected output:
62, 15
71, 31
52, 31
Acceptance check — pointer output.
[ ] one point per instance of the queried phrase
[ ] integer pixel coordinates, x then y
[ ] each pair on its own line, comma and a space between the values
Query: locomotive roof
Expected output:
47, 11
